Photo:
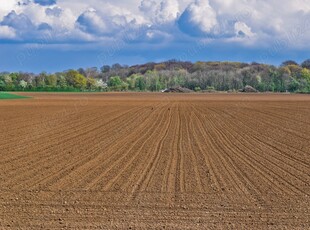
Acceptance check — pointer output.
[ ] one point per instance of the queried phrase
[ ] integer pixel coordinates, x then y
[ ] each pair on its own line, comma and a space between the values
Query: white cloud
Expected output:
243, 29
259, 21
162, 12
198, 18
7, 32
16, 20
54, 11
157, 20
91, 22
148, 6
168, 11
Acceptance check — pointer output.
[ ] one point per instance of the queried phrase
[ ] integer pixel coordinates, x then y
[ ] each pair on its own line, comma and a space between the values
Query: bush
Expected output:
197, 89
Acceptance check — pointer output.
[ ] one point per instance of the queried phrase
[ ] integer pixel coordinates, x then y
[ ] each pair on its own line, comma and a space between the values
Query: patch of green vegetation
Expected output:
8, 96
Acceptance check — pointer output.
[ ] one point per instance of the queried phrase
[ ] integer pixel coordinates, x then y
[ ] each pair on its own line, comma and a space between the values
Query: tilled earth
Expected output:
155, 161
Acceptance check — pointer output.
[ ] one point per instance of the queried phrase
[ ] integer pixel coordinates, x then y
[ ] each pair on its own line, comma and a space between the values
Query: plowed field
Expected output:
155, 161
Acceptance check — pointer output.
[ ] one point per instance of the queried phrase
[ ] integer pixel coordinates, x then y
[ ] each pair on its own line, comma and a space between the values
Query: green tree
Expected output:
51, 80
40, 81
2, 85
9, 83
14, 76
124, 86
132, 81
293, 85
115, 83
140, 83
62, 82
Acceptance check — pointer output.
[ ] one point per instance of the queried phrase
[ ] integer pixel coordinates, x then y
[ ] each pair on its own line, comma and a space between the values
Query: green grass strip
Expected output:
10, 96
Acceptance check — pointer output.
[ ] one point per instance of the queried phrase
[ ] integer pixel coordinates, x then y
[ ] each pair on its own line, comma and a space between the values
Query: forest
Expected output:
290, 76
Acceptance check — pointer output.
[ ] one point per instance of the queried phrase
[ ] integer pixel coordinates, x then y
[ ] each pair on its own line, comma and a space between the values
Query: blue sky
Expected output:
55, 35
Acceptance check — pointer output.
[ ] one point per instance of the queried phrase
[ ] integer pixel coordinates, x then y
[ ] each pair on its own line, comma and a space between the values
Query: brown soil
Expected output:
155, 161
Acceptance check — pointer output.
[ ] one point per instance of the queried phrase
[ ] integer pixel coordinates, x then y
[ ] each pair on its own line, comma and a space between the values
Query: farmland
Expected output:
129, 160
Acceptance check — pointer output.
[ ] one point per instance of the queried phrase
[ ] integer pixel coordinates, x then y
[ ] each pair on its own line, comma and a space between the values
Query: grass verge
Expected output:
9, 96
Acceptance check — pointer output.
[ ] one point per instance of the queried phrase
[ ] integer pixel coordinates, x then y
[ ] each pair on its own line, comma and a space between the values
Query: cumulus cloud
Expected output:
19, 22
33, 22
162, 12
168, 11
157, 20
198, 19
207, 19
243, 30
108, 21
55, 11
91, 22
7, 32
23, 2
44, 26
267, 19
148, 6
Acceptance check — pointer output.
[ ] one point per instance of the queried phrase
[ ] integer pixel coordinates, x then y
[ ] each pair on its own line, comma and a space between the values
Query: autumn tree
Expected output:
91, 83
75, 79
305, 74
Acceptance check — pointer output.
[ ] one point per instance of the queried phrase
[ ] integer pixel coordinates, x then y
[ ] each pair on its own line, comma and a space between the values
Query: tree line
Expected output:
200, 76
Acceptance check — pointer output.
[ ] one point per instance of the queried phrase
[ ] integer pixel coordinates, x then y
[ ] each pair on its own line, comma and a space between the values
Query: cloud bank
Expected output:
230, 20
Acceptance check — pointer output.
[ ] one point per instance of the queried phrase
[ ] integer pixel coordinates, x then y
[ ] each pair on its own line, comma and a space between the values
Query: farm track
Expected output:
155, 161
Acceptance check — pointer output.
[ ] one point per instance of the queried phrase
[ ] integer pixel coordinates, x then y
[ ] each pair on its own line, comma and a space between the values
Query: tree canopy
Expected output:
199, 76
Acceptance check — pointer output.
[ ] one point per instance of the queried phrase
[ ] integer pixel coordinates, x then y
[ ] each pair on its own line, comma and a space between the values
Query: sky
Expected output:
55, 35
